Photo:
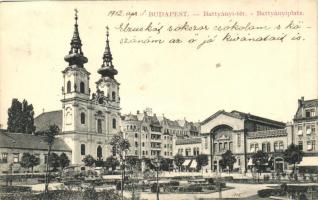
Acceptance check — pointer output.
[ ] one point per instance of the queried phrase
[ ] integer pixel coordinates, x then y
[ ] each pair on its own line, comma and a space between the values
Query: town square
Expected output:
85, 115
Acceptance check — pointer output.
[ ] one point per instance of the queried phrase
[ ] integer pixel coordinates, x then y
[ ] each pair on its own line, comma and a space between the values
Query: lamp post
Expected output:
156, 162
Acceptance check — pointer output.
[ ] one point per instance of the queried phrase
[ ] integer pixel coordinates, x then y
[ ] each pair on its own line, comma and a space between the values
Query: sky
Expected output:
177, 80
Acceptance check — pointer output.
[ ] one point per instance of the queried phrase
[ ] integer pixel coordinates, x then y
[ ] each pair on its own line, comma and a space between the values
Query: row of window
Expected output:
155, 145
195, 151
310, 129
167, 146
99, 123
82, 89
69, 87
222, 146
266, 147
168, 153
310, 112
175, 132
262, 127
4, 158
167, 137
99, 151
311, 145
16, 157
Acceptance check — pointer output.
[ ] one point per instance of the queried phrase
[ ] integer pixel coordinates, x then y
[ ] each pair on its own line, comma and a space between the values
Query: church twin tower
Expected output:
89, 120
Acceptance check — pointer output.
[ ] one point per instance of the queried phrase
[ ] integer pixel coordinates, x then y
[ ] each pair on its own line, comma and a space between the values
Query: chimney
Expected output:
301, 101
138, 112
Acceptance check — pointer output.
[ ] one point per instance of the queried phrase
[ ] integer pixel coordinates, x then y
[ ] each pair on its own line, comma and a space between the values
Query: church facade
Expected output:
89, 119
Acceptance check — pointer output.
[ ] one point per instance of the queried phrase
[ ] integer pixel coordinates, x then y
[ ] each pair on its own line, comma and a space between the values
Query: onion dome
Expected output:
107, 69
75, 55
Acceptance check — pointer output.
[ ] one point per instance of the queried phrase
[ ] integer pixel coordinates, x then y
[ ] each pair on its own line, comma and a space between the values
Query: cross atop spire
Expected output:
107, 68
107, 33
75, 55
76, 17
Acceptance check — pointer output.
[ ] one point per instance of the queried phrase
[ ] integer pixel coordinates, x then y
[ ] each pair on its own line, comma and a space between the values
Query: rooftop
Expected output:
195, 140
267, 133
28, 141
43, 121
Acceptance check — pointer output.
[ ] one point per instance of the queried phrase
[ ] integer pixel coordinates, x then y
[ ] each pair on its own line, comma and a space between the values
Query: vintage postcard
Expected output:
159, 100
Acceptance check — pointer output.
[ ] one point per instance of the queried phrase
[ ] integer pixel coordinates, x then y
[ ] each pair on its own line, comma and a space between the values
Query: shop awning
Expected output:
193, 164
186, 163
309, 162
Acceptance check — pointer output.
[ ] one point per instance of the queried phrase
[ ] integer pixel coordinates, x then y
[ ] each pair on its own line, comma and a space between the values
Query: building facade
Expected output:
89, 120
242, 134
13, 145
305, 126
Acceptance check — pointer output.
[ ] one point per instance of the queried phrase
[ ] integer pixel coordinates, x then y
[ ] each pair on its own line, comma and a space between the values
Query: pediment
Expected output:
221, 118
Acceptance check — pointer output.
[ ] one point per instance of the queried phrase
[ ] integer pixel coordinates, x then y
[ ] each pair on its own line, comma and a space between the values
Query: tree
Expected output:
54, 161
29, 161
149, 164
120, 146
179, 160
99, 162
64, 161
89, 160
227, 160
49, 138
131, 162
293, 155
112, 162
165, 164
202, 160
259, 159
21, 117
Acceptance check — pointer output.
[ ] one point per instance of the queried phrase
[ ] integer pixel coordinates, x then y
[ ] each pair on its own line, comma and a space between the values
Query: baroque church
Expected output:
89, 119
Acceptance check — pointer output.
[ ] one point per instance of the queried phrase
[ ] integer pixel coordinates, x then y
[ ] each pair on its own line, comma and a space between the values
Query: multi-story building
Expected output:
305, 132
305, 126
143, 133
272, 142
150, 135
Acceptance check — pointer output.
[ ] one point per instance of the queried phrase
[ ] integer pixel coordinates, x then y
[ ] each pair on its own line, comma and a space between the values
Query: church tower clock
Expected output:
89, 121
107, 90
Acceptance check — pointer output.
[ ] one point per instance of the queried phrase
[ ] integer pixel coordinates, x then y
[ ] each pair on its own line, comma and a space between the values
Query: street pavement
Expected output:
238, 191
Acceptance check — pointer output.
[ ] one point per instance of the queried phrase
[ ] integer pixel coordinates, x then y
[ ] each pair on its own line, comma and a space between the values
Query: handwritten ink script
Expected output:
228, 27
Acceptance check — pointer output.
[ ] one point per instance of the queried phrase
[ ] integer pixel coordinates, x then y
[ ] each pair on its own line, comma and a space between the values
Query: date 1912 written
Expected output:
121, 13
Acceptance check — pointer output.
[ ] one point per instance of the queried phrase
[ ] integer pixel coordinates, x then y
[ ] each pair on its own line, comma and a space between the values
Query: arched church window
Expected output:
82, 87
114, 96
114, 123
99, 126
82, 118
68, 87
99, 152
68, 117
82, 149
